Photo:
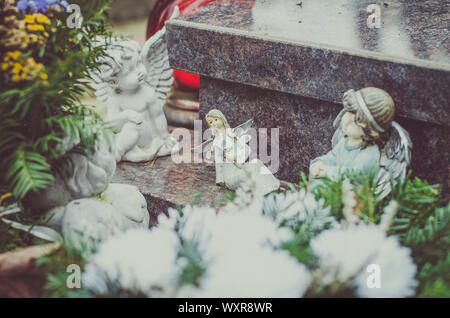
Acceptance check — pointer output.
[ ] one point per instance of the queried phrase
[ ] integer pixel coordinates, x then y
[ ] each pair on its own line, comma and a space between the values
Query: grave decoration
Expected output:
133, 84
231, 155
336, 241
367, 139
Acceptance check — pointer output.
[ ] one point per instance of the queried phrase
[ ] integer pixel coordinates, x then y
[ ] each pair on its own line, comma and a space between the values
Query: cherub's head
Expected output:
216, 121
123, 69
369, 115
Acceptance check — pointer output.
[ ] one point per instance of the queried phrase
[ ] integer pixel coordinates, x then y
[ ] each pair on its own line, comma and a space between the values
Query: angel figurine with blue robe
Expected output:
133, 83
367, 140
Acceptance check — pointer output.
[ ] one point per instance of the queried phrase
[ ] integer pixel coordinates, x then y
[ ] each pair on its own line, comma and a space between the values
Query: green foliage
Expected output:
435, 279
420, 223
12, 239
194, 266
55, 268
36, 115
417, 202
299, 248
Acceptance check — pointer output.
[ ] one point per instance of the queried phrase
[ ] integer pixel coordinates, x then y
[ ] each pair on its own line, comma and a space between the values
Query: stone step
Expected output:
167, 184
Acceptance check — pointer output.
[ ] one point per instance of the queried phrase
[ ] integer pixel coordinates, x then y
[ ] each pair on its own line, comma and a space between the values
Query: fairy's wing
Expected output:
394, 160
338, 134
242, 129
203, 147
156, 59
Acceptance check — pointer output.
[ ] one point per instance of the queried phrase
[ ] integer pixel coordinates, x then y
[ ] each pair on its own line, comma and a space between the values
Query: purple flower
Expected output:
40, 5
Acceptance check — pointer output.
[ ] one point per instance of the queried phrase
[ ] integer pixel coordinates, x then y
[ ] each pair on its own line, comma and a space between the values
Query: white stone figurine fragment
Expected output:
368, 140
133, 83
91, 175
85, 223
83, 207
231, 154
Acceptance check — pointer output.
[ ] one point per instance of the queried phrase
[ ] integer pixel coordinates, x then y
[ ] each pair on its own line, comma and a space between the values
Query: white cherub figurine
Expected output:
133, 83
231, 153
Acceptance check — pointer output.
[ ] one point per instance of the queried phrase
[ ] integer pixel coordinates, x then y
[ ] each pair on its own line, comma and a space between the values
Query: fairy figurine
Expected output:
231, 154
366, 139
133, 83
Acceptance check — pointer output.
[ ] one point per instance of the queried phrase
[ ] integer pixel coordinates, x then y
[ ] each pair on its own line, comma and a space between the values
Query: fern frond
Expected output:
29, 171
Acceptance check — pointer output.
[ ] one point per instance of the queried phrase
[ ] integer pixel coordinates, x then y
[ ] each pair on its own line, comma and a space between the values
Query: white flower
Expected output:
349, 202
295, 208
196, 225
245, 231
259, 272
243, 263
346, 254
138, 261
237, 247
388, 216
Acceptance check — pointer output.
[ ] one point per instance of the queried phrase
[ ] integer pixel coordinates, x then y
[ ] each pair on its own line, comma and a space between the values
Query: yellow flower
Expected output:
42, 18
14, 54
44, 76
16, 69
29, 18
16, 78
4, 66
35, 27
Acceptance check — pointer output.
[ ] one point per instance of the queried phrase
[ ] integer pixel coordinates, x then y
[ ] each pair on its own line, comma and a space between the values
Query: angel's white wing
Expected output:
242, 129
338, 134
156, 59
394, 160
203, 146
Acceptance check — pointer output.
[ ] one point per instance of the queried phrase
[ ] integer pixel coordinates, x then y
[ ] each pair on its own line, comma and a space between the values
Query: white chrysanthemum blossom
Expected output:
244, 239
345, 254
256, 272
138, 261
196, 225
245, 231
388, 216
349, 202
294, 209
243, 263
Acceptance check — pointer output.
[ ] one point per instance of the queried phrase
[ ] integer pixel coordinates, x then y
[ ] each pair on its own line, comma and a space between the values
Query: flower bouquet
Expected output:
44, 62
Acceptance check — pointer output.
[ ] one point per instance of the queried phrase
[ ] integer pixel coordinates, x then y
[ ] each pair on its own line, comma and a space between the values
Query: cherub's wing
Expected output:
395, 158
203, 146
338, 134
242, 129
156, 59
102, 89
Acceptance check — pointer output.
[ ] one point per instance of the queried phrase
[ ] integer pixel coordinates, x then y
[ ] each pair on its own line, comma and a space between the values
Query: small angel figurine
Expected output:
367, 139
133, 83
231, 153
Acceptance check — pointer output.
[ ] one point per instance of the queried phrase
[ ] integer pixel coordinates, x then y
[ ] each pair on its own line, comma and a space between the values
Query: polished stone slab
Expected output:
167, 184
322, 48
